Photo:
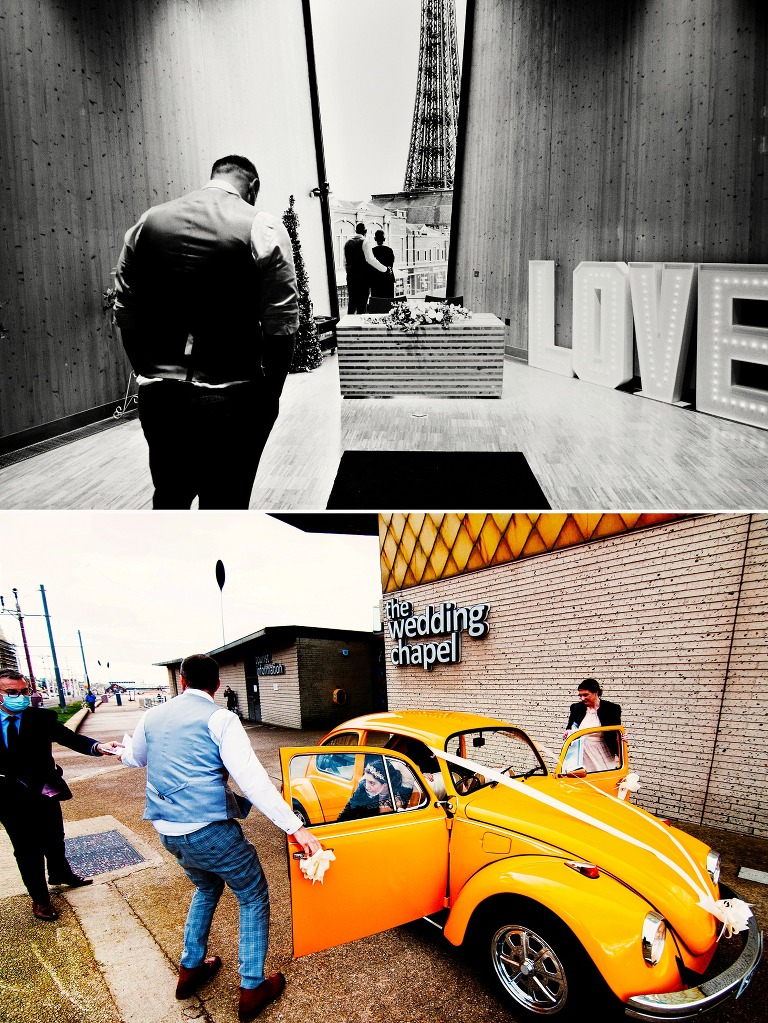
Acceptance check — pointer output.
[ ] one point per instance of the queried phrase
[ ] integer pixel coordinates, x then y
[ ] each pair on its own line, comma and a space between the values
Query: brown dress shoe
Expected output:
253, 1000
191, 978
44, 911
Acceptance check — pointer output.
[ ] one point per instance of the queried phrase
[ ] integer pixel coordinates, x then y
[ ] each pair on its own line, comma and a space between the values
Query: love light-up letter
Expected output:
543, 353
730, 349
602, 324
663, 299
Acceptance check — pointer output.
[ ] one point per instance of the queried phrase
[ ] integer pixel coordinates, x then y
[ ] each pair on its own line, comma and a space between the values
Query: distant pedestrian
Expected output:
190, 748
90, 699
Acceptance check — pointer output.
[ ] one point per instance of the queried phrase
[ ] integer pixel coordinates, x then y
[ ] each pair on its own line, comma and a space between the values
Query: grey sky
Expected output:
367, 60
141, 586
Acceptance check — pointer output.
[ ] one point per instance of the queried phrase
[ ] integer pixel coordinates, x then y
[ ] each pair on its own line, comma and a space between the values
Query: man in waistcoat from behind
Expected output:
190, 747
207, 306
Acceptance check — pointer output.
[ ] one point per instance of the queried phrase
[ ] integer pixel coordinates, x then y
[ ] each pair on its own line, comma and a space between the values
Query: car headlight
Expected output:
713, 864
653, 937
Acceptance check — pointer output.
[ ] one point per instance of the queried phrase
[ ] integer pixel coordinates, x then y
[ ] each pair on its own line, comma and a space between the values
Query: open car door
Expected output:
599, 756
389, 839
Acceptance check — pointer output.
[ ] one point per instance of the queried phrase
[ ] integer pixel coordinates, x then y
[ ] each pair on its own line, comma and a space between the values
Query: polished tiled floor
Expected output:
589, 448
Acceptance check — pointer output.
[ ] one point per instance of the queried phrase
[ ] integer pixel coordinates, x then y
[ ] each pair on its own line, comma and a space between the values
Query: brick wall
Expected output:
280, 696
323, 669
671, 620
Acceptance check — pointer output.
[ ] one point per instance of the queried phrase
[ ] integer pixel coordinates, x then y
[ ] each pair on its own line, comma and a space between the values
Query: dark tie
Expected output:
12, 735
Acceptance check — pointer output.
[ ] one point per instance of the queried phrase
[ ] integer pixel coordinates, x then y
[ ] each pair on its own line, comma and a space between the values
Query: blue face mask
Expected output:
16, 703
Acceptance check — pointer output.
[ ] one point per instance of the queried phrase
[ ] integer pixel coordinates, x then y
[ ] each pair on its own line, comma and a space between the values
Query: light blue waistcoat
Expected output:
186, 780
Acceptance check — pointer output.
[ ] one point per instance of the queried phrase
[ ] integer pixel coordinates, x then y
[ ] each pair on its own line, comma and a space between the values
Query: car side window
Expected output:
343, 739
345, 786
595, 752
340, 764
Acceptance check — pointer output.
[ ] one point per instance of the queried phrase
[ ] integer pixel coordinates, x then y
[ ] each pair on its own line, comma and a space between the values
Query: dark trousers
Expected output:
358, 291
205, 442
36, 830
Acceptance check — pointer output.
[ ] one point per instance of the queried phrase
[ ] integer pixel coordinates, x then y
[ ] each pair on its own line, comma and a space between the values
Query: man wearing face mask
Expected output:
31, 787
207, 305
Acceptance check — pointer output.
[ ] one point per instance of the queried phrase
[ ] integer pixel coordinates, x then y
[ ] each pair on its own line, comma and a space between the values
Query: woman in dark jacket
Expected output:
593, 712
372, 795
382, 284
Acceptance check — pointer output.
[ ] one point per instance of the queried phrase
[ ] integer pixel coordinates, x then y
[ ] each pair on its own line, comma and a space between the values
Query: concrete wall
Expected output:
671, 620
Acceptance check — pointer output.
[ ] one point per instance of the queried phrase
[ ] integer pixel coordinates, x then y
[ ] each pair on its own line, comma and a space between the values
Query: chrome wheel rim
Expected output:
529, 970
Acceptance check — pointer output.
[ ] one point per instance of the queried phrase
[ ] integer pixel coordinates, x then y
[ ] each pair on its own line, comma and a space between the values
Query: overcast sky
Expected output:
367, 54
141, 586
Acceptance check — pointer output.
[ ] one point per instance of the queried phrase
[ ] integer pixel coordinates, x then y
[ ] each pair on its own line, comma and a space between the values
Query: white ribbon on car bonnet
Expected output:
738, 911
734, 913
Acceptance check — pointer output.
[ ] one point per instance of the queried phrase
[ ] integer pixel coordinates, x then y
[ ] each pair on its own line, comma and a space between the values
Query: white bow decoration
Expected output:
734, 914
629, 784
315, 866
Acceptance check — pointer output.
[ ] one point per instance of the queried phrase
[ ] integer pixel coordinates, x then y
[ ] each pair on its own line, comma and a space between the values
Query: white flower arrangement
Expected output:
409, 316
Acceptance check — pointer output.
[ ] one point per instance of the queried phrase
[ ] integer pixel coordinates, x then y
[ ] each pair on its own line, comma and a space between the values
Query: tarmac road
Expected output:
113, 954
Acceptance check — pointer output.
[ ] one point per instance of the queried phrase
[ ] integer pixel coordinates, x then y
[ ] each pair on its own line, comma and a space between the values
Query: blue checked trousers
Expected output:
216, 855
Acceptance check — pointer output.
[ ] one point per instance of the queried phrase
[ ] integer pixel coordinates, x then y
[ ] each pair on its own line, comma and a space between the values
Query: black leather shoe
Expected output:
72, 881
254, 1000
191, 978
44, 911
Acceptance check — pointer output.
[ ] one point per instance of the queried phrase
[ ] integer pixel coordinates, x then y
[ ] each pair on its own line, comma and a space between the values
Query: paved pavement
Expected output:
112, 957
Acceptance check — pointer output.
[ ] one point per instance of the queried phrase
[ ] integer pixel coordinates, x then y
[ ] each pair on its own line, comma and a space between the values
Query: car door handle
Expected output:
301, 855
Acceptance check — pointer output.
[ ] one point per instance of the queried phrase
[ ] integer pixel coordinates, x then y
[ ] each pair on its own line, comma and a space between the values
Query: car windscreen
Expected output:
506, 750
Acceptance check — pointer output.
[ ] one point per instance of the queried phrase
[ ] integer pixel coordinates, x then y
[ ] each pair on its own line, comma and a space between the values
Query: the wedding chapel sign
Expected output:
444, 619
660, 299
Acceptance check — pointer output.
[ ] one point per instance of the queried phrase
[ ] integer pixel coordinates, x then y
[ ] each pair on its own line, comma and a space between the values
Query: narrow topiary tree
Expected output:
307, 355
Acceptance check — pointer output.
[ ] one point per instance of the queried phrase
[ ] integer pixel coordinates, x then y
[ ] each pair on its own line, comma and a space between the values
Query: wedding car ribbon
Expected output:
629, 784
650, 819
315, 866
733, 913
502, 779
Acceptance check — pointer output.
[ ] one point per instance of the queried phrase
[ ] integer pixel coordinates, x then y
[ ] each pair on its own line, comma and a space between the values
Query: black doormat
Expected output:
436, 480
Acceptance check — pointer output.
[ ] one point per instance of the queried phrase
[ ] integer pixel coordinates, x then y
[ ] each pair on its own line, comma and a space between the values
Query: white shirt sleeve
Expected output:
136, 754
244, 766
370, 258
278, 305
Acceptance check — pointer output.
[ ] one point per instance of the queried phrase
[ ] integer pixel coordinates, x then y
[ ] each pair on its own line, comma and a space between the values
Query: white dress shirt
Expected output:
227, 731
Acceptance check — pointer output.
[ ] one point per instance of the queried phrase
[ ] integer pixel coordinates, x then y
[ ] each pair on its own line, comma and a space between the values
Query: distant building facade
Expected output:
8, 659
298, 676
421, 250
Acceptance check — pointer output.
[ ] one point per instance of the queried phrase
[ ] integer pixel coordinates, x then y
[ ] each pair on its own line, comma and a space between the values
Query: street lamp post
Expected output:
20, 617
59, 685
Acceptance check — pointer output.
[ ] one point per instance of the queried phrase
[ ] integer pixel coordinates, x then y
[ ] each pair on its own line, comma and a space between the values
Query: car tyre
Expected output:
301, 813
537, 964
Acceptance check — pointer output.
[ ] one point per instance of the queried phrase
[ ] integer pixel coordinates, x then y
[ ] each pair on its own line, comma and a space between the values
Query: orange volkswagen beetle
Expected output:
566, 888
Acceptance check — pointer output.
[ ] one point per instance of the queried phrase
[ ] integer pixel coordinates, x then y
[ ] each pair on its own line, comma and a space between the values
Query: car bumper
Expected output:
696, 1000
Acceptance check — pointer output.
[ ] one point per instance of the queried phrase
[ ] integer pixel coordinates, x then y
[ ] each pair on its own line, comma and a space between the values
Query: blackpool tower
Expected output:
432, 152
